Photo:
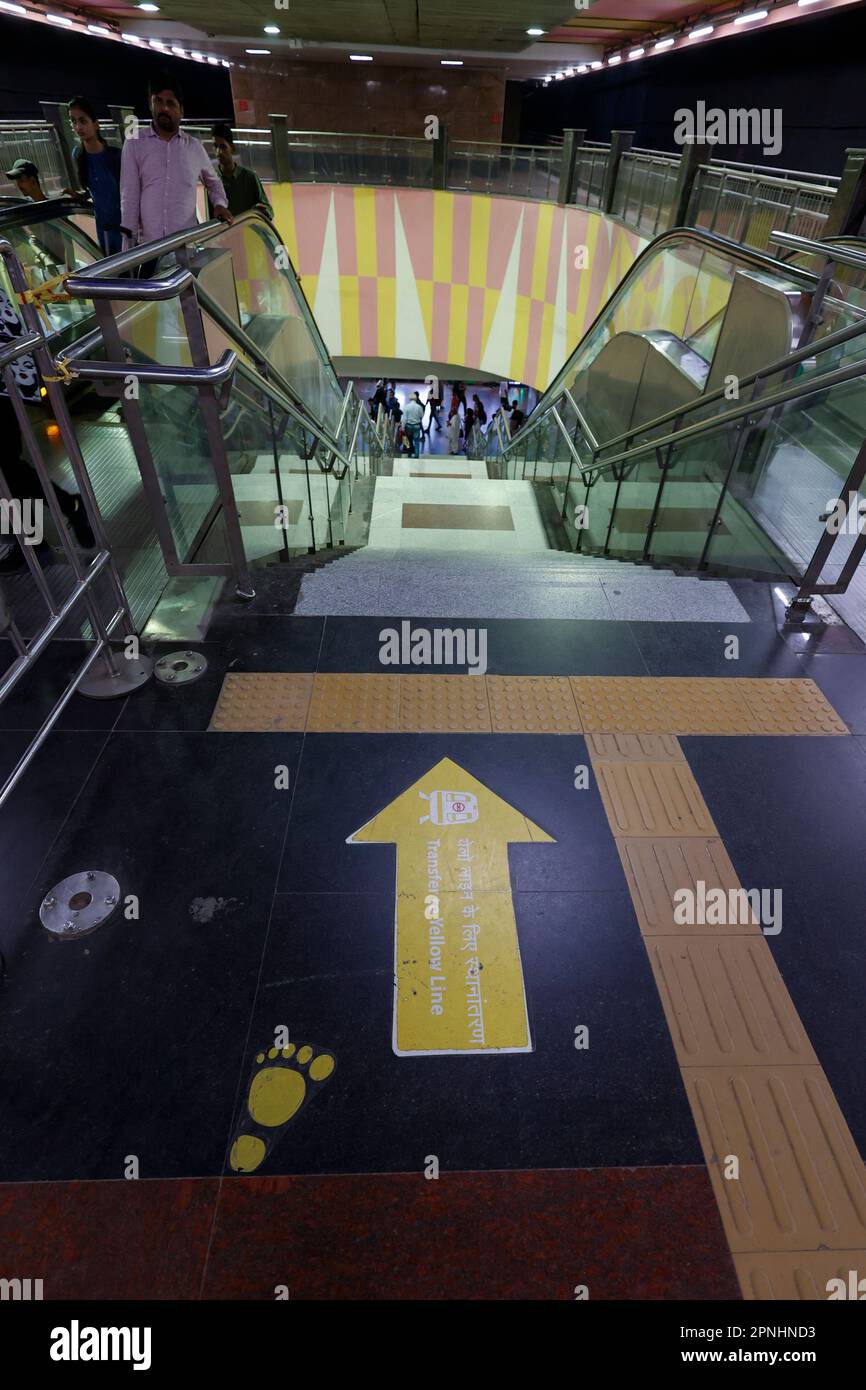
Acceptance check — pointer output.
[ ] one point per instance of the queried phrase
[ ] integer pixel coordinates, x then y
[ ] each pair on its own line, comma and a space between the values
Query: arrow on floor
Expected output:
458, 978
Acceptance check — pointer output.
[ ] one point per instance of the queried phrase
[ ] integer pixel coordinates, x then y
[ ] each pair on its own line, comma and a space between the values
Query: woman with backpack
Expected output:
98, 168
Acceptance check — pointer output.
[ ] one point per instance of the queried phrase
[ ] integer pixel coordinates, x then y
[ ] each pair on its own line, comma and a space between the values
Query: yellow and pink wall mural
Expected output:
485, 283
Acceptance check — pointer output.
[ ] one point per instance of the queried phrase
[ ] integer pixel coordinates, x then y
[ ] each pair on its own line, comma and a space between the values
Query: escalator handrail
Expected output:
831, 249
809, 387
711, 241
793, 359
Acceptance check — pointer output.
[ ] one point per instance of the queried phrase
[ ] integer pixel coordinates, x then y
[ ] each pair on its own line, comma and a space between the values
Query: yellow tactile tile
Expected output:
803, 1275
665, 705
362, 704
263, 702
790, 707
652, 800
532, 705
657, 869
726, 1003
630, 748
444, 704
801, 1183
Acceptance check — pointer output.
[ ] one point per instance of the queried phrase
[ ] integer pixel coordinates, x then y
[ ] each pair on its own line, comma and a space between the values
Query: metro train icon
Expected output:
449, 808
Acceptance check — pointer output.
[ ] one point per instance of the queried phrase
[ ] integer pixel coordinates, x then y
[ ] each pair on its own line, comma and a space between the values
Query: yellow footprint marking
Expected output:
275, 1096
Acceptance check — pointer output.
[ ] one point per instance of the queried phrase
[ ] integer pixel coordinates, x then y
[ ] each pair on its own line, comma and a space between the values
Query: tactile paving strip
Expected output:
756, 1089
657, 869
655, 748
775, 1277
801, 1181
653, 799
726, 1003
444, 704
262, 703
662, 705
790, 707
358, 704
532, 705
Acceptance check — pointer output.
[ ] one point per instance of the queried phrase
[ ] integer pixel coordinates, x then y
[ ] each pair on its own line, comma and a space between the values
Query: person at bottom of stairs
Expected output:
454, 434
412, 417
24, 485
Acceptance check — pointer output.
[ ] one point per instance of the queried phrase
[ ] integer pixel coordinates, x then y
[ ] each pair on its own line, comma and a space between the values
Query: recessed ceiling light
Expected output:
214, 62
59, 19
612, 62
17, 9
148, 7
451, 62
596, 65
156, 43
803, 3
130, 38
582, 67
702, 33
199, 57
569, 72
560, 76
536, 33
664, 43
637, 53
181, 52
360, 58
265, 52
272, 29
91, 28
224, 62
752, 18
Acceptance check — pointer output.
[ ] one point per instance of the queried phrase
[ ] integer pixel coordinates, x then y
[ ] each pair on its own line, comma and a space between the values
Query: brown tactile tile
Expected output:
801, 1182
364, 704
790, 707
653, 800
630, 748
664, 704
657, 869
454, 516
262, 702
532, 705
802, 1275
726, 1003
446, 704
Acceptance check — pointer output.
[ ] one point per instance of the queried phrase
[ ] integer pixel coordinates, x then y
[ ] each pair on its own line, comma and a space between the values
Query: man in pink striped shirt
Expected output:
160, 171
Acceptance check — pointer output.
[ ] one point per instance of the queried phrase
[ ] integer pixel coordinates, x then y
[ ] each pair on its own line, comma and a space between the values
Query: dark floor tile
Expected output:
344, 780
256, 643
698, 649
36, 693
650, 1233
34, 813
519, 646
108, 1240
276, 588
131, 1040
791, 812
328, 976
843, 681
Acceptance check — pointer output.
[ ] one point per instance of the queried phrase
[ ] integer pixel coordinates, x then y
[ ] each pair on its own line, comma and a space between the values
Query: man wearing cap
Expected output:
25, 176
160, 170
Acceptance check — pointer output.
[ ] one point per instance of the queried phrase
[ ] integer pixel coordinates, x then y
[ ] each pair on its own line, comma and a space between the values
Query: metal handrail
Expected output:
712, 241
793, 359
768, 180
803, 174
581, 419
790, 241
214, 375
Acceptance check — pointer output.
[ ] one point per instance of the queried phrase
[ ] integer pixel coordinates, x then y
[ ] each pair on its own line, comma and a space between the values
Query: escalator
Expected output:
287, 426
688, 429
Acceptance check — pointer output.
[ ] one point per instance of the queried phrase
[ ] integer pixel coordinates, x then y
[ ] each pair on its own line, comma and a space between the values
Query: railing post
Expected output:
847, 214
280, 141
440, 157
571, 142
123, 116
620, 144
693, 156
57, 115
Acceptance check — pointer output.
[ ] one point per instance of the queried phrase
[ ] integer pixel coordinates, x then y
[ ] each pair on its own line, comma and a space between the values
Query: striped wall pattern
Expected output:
486, 283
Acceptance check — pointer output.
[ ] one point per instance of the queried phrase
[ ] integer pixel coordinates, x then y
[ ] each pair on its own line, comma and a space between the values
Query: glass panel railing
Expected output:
326, 157
526, 171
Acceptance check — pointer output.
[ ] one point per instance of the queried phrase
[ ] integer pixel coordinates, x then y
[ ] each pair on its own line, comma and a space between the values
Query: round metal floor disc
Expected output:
100, 684
180, 668
79, 904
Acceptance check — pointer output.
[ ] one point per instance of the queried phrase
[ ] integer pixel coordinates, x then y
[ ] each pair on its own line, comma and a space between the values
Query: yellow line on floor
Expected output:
609, 706
786, 1173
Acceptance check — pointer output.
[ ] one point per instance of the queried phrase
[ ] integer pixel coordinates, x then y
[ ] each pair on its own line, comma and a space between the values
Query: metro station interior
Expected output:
433, 650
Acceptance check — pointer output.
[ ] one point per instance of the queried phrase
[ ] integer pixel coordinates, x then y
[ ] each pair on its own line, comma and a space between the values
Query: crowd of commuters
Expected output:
415, 423
148, 190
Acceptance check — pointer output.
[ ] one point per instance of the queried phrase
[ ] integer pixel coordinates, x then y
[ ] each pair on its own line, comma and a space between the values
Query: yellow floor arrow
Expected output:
458, 980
